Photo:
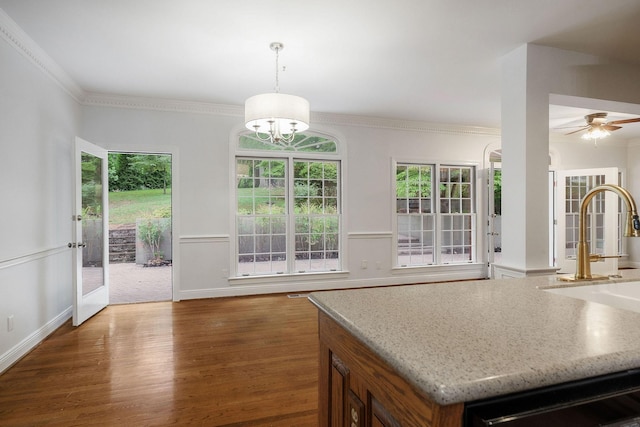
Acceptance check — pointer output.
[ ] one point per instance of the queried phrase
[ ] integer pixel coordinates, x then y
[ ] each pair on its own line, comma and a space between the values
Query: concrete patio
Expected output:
133, 283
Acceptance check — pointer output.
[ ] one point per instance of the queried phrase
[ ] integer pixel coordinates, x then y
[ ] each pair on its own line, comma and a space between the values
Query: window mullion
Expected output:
291, 219
437, 238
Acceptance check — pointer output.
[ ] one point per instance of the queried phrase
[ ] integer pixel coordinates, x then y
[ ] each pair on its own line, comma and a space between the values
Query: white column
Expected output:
525, 168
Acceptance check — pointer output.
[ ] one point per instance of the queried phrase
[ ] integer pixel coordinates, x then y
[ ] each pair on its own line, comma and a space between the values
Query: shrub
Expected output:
150, 233
163, 212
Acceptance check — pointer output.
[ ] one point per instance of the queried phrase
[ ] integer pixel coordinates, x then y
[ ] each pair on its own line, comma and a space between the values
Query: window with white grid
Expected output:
415, 217
261, 216
457, 214
288, 210
316, 215
434, 227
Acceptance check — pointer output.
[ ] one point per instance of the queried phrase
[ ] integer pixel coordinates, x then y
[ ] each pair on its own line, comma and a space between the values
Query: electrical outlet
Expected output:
364, 264
10, 323
378, 265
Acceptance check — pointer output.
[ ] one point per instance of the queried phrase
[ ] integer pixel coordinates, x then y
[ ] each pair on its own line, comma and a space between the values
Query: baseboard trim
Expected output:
501, 271
16, 353
264, 288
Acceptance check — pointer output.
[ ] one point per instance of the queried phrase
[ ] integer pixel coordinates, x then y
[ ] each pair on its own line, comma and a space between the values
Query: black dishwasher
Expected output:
611, 400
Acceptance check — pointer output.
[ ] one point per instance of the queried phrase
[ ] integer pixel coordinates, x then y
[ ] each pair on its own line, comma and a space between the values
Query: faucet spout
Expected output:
632, 226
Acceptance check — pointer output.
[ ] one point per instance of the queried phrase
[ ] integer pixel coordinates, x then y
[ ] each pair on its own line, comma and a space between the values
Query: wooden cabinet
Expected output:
347, 407
358, 389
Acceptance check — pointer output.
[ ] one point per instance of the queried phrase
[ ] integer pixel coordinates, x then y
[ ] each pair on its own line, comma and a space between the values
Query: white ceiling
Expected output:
435, 61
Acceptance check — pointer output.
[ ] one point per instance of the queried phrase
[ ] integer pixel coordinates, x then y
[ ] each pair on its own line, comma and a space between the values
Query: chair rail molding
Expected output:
370, 235
205, 238
33, 256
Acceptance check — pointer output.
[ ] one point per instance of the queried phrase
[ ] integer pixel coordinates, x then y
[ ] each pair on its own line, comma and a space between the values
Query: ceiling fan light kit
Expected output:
595, 133
598, 127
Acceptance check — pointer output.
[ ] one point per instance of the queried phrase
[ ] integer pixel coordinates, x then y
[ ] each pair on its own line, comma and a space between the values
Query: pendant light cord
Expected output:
277, 49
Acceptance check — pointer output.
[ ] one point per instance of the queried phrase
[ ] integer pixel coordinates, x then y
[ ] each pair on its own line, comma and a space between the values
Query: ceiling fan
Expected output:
597, 123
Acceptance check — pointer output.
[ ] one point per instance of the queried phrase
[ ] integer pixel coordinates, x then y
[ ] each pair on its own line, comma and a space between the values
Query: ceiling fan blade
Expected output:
579, 130
623, 121
610, 128
570, 127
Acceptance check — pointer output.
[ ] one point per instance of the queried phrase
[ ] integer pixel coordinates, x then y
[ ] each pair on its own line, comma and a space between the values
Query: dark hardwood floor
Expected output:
246, 361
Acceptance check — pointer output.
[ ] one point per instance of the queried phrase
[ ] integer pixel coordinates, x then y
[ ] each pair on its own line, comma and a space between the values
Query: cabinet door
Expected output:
338, 390
380, 417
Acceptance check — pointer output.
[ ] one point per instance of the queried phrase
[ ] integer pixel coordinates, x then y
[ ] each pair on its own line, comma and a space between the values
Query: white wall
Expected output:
580, 154
204, 140
38, 123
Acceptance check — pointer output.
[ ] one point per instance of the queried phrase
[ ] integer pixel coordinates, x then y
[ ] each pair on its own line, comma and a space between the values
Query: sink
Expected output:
625, 295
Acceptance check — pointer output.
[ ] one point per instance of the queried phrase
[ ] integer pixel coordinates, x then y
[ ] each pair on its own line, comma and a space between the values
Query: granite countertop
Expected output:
462, 341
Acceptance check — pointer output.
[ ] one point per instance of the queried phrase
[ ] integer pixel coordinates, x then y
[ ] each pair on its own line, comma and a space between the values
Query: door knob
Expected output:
76, 245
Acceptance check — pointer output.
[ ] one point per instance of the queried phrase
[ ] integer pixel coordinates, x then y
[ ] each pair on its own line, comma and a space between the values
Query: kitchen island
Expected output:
413, 355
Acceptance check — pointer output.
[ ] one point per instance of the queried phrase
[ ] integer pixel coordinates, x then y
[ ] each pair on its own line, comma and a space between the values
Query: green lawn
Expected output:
126, 206
261, 195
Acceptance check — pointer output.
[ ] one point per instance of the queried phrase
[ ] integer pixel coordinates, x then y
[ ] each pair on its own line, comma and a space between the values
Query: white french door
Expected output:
91, 237
601, 220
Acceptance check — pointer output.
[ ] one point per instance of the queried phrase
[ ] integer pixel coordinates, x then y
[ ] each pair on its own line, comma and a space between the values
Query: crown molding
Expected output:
398, 124
20, 41
159, 104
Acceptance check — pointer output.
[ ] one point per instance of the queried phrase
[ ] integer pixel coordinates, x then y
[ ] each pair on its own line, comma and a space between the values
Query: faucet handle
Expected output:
598, 257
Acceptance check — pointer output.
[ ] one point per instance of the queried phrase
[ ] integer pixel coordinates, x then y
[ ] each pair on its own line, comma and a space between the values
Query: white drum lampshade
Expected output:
276, 113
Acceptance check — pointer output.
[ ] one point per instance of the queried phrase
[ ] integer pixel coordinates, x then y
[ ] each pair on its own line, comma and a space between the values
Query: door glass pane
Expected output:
576, 188
92, 224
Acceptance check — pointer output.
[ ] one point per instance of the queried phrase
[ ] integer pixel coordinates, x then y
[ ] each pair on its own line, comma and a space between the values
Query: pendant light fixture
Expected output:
276, 118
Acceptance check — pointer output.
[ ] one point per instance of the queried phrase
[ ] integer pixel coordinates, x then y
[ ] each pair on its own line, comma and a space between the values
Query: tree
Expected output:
122, 176
91, 185
413, 181
139, 171
155, 169
497, 192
